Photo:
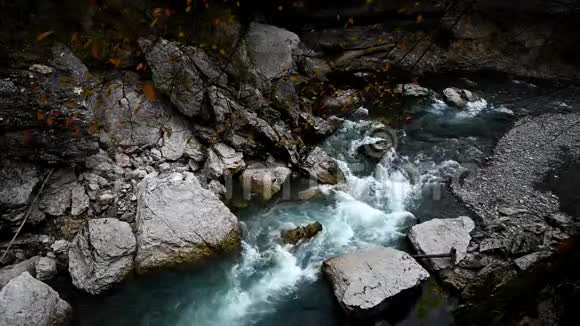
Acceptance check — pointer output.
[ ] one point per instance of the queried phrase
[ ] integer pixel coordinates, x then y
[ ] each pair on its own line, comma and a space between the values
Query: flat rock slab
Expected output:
438, 236
365, 281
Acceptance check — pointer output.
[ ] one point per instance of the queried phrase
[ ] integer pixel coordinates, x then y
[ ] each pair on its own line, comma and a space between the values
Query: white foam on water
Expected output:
367, 140
367, 211
472, 109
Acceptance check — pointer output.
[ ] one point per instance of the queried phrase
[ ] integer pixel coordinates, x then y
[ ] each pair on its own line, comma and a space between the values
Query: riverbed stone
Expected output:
28, 301
365, 281
101, 254
264, 180
453, 96
439, 236
301, 233
179, 222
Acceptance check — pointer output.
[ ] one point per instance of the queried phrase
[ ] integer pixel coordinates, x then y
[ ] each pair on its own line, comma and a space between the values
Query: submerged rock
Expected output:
322, 167
264, 180
458, 97
365, 281
27, 301
301, 233
179, 222
101, 254
438, 236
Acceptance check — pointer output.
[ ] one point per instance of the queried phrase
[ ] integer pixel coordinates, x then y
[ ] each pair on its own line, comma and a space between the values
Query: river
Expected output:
275, 284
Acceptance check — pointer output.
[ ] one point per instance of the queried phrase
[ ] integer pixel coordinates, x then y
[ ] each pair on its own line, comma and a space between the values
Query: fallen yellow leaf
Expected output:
149, 91
158, 12
44, 35
115, 61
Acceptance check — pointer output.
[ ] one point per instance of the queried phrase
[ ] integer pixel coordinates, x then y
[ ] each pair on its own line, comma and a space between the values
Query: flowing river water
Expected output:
275, 284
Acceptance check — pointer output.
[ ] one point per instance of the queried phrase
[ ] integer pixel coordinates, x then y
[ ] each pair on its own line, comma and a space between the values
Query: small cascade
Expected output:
365, 211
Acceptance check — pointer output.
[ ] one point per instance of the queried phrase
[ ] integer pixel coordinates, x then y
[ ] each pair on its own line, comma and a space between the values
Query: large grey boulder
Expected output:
27, 301
366, 280
322, 167
438, 236
264, 180
179, 222
101, 254
7, 273
271, 49
174, 74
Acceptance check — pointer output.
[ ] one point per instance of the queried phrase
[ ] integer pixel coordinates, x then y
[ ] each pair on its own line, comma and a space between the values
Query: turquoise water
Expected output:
274, 284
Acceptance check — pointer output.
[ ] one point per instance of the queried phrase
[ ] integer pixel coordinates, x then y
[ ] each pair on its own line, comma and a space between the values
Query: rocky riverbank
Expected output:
105, 177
